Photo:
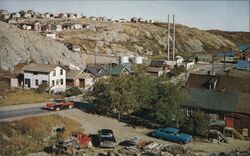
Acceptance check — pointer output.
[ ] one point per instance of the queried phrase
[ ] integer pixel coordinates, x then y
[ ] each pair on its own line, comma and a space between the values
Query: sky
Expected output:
203, 14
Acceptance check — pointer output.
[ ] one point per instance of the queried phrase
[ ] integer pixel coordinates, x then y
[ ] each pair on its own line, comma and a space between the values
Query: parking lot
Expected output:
92, 123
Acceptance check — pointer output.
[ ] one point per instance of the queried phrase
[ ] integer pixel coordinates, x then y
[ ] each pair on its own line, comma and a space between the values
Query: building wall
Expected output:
33, 76
56, 80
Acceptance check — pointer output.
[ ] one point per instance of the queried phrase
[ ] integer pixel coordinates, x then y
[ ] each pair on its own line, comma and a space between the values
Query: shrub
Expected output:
74, 91
42, 88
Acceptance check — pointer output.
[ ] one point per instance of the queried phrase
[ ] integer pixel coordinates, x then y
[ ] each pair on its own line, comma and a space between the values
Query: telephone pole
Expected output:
174, 37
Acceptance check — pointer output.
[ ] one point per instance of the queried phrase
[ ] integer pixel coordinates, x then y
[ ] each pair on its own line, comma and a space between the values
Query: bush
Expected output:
176, 71
74, 91
42, 88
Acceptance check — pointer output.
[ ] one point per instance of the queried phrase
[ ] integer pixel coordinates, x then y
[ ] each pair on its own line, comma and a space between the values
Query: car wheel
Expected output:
70, 106
58, 108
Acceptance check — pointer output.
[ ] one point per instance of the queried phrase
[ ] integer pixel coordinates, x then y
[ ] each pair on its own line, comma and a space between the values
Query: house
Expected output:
46, 28
115, 70
243, 65
229, 56
25, 26
233, 108
15, 15
188, 64
67, 26
204, 57
63, 15
96, 71
179, 59
77, 78
77, 26
155, 71
51, 35
10, 81
37, 26
245, 55
52, 75
56, 28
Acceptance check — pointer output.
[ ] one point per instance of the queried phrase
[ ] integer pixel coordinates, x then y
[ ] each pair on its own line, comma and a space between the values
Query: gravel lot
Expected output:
92, 123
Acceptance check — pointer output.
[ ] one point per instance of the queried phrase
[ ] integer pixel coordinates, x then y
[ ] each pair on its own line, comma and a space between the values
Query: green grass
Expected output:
32, 134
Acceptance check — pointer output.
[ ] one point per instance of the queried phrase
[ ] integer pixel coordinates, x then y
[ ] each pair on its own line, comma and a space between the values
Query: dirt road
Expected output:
91, 123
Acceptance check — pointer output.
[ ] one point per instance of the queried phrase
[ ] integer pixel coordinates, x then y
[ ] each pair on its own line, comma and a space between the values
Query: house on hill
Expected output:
98, 72
158, 68
52, 75
77, 78
115, 70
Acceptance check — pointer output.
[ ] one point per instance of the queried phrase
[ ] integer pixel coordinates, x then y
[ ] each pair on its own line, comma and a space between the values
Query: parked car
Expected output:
59, 104
107, 138
172, 134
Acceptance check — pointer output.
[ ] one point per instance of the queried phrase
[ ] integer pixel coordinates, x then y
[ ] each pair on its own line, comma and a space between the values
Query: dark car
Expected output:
107, 138
59, 104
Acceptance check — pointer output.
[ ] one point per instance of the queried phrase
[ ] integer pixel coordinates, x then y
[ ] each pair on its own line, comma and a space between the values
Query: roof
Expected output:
172, 130
46, 68
231, 83
115, 70
243, 64
211, 100
158, 64
96, 71
85, 75
154, 69
199, 80
72, 74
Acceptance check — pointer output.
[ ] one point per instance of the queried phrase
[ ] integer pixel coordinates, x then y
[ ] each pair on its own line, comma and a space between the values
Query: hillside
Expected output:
19, 46
236, 37
137, 38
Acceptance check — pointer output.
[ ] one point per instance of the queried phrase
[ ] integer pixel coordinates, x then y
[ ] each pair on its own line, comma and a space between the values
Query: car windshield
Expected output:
58, 101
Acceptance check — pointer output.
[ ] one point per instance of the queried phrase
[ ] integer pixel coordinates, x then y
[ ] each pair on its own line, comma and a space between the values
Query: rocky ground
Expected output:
19, 46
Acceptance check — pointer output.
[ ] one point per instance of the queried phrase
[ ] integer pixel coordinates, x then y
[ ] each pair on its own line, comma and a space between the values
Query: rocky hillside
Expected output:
19, 46
138, 38
236, 37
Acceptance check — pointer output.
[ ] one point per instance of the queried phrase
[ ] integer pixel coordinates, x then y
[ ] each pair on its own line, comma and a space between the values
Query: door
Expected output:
27, 83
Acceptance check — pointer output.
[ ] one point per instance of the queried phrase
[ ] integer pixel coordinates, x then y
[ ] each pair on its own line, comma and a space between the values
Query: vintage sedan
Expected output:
59, 104
172, 134
107, 138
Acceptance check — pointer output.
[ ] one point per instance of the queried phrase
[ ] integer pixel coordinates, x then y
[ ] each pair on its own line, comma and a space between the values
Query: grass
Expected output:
18, 96
32, 134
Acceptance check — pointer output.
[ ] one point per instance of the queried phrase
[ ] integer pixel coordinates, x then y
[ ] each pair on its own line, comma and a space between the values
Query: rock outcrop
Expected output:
20, 46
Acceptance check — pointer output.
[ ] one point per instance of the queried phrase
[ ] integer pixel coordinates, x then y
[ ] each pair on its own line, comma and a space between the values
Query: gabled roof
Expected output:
46, 68
161, 63
85, 75
73, 74
96, 71
115, 70
212, 100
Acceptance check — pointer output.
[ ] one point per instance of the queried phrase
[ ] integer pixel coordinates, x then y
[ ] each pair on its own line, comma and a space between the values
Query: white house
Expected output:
52, 75
188, 64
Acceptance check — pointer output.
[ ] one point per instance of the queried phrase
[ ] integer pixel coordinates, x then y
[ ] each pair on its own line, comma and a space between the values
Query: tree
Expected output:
201, 122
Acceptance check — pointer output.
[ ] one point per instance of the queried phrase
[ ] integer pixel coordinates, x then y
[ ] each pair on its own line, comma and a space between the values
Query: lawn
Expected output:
32, 134
19, 96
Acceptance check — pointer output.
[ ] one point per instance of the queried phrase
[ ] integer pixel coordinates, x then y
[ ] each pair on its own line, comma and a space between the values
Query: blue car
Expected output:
172, 134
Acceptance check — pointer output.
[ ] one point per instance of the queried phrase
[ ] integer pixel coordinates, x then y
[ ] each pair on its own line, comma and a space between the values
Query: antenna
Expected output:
174, 37
168, 35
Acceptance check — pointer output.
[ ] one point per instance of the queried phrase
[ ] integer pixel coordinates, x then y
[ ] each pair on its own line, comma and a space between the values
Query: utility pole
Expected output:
174, 37
168, 35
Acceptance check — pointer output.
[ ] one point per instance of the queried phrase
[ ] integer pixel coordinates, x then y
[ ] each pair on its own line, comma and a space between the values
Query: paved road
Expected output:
20, 111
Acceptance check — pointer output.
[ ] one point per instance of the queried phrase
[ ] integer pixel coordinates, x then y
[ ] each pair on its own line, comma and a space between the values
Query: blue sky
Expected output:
224, 15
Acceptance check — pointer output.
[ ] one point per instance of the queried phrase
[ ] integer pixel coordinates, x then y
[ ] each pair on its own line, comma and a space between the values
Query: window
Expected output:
61, 81
61, 71
36, 82
54, 73
53, 82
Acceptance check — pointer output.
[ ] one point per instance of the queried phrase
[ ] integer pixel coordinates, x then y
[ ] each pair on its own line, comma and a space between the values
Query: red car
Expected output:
59, 104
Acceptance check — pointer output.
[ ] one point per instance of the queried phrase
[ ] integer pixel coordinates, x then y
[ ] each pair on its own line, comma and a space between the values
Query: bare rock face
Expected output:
19, 46
141, 38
